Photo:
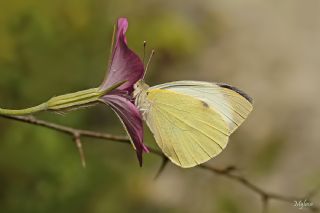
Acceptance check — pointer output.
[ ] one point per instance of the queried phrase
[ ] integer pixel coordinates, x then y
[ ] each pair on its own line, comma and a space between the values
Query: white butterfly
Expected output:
192, 120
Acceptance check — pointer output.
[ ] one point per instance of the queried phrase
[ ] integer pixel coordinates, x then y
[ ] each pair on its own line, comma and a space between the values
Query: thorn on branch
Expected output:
162, 167
77, 140
265, 203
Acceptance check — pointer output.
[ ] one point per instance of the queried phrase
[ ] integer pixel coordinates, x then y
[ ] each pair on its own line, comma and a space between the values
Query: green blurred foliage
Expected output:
228, 205
49, 48
267, 157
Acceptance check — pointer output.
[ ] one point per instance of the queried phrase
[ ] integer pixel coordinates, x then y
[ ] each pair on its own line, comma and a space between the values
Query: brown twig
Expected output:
266, 197
68, 130
229, 172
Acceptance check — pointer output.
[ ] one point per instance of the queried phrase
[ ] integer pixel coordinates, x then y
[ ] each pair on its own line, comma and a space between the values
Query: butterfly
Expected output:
192, 120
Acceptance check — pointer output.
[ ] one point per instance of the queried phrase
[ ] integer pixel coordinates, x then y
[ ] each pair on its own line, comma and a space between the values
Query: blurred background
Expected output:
270, 49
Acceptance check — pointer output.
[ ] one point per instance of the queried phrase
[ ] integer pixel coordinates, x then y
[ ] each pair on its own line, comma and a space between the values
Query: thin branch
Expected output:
265, 196
68, 130
228, 172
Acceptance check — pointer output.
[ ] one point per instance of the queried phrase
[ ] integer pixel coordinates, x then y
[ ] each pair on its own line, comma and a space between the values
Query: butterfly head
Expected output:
140, 93
139, 87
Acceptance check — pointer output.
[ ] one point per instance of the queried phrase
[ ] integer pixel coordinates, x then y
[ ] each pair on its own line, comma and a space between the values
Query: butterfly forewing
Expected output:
232, 104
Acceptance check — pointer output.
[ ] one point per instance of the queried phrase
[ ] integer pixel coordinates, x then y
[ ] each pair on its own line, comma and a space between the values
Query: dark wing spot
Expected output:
243, 94
205, 104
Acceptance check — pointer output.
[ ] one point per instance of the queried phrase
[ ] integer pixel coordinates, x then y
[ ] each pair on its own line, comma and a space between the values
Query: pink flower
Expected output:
125, 66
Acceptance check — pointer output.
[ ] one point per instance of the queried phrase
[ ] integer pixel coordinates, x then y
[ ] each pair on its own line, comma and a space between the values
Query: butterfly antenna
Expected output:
148, 63
144, 52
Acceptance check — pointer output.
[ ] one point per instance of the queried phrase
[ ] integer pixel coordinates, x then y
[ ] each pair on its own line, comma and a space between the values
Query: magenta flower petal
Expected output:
125, 64
130, 118
125, 67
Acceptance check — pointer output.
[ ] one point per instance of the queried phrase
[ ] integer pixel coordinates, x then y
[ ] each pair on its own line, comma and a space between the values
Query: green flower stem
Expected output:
27, 111
63, 102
